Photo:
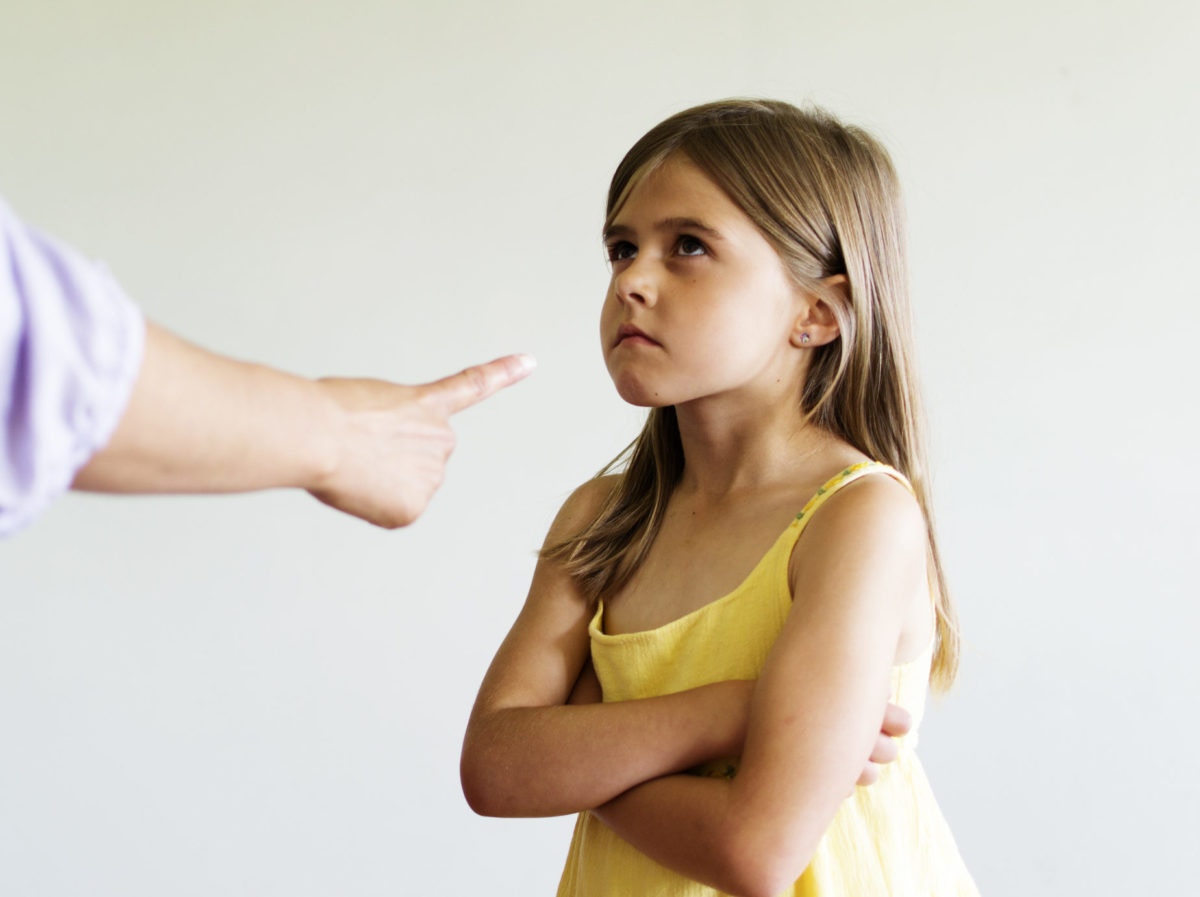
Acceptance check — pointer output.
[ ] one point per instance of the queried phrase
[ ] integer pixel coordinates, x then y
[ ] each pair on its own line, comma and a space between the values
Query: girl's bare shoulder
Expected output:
878, 504
582, 507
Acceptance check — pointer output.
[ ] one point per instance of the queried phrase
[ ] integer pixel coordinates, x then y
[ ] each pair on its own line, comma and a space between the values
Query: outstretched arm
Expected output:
754, 834
528, 752
200, 422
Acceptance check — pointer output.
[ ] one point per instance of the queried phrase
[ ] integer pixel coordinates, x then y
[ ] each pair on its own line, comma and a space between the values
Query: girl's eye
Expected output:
690, 246
621, 250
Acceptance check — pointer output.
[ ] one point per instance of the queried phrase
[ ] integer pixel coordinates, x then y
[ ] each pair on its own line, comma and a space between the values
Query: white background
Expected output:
256, 696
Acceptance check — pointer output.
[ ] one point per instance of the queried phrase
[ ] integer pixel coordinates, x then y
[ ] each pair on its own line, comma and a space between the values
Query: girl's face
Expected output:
699, 303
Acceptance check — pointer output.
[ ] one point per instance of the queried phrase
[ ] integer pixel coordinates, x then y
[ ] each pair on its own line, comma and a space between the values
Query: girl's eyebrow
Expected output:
665, 225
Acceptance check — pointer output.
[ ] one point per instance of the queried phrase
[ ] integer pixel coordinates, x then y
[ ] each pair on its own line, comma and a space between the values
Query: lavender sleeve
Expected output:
71, 347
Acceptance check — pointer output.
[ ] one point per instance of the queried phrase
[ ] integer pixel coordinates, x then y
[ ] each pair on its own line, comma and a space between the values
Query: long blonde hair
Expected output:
826, 196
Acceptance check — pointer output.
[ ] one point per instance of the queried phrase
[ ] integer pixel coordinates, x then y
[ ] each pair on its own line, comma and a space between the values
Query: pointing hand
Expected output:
395, 440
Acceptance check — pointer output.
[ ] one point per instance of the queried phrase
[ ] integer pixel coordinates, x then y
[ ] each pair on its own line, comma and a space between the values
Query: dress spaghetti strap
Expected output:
845, 478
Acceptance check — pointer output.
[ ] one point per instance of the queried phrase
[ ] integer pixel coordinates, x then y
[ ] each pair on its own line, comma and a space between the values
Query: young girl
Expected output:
758, 582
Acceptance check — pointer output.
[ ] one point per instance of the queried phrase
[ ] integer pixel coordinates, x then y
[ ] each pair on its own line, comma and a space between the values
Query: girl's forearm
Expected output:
548, 761
691, 824
676, 821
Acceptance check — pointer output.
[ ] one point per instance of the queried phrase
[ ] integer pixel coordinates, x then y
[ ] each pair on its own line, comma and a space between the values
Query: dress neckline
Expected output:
790, 533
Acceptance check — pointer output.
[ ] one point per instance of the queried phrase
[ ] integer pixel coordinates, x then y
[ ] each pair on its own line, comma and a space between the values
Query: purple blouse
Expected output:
70, 350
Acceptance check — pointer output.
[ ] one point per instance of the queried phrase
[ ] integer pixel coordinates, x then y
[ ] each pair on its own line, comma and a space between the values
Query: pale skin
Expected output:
198, 422
701, 315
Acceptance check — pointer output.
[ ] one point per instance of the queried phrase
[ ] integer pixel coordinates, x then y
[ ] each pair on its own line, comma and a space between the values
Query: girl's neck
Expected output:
732, 448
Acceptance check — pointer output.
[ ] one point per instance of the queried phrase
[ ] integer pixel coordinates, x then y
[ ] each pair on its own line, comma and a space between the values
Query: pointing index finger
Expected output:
464, 389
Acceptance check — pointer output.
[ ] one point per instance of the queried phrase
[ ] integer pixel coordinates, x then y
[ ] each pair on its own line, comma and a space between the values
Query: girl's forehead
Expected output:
677, 186
673, 173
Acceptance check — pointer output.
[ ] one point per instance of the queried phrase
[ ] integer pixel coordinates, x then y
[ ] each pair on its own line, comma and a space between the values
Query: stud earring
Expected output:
805, 338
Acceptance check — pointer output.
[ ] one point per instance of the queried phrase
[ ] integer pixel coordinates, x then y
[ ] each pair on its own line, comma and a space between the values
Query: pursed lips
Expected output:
628, 331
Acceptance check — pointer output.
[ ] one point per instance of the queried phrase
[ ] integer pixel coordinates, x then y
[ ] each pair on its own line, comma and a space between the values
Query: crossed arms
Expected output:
537, 744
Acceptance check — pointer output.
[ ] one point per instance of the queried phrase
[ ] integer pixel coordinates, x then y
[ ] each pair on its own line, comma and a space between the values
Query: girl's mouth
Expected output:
630, 334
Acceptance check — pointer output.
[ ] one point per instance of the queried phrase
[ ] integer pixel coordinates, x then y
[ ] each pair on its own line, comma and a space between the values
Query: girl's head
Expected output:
825, 196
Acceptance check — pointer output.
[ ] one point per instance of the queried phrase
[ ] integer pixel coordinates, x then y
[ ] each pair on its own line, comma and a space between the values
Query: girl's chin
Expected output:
640, 395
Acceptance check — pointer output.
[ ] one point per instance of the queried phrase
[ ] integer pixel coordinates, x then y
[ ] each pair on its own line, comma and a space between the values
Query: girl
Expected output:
762, 577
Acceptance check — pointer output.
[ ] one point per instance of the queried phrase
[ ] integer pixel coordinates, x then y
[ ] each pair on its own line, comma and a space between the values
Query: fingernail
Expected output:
527, 363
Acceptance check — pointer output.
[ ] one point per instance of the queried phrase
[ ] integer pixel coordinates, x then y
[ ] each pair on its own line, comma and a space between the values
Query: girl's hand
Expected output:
897, 722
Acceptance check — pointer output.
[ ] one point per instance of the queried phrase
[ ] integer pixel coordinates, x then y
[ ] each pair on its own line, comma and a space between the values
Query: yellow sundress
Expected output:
886, 840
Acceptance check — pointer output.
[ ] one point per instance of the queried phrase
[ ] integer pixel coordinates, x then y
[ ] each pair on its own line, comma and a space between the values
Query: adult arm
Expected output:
528, 752
92, 396
861, 560
201, 422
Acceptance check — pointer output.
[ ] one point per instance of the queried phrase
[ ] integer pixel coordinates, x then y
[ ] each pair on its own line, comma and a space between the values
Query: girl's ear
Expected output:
816, 324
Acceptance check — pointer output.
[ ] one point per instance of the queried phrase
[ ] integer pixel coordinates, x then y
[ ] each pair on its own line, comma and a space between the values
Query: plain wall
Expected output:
256, 696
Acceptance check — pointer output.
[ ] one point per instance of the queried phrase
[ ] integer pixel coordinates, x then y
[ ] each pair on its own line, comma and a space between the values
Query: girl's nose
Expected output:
635, 284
